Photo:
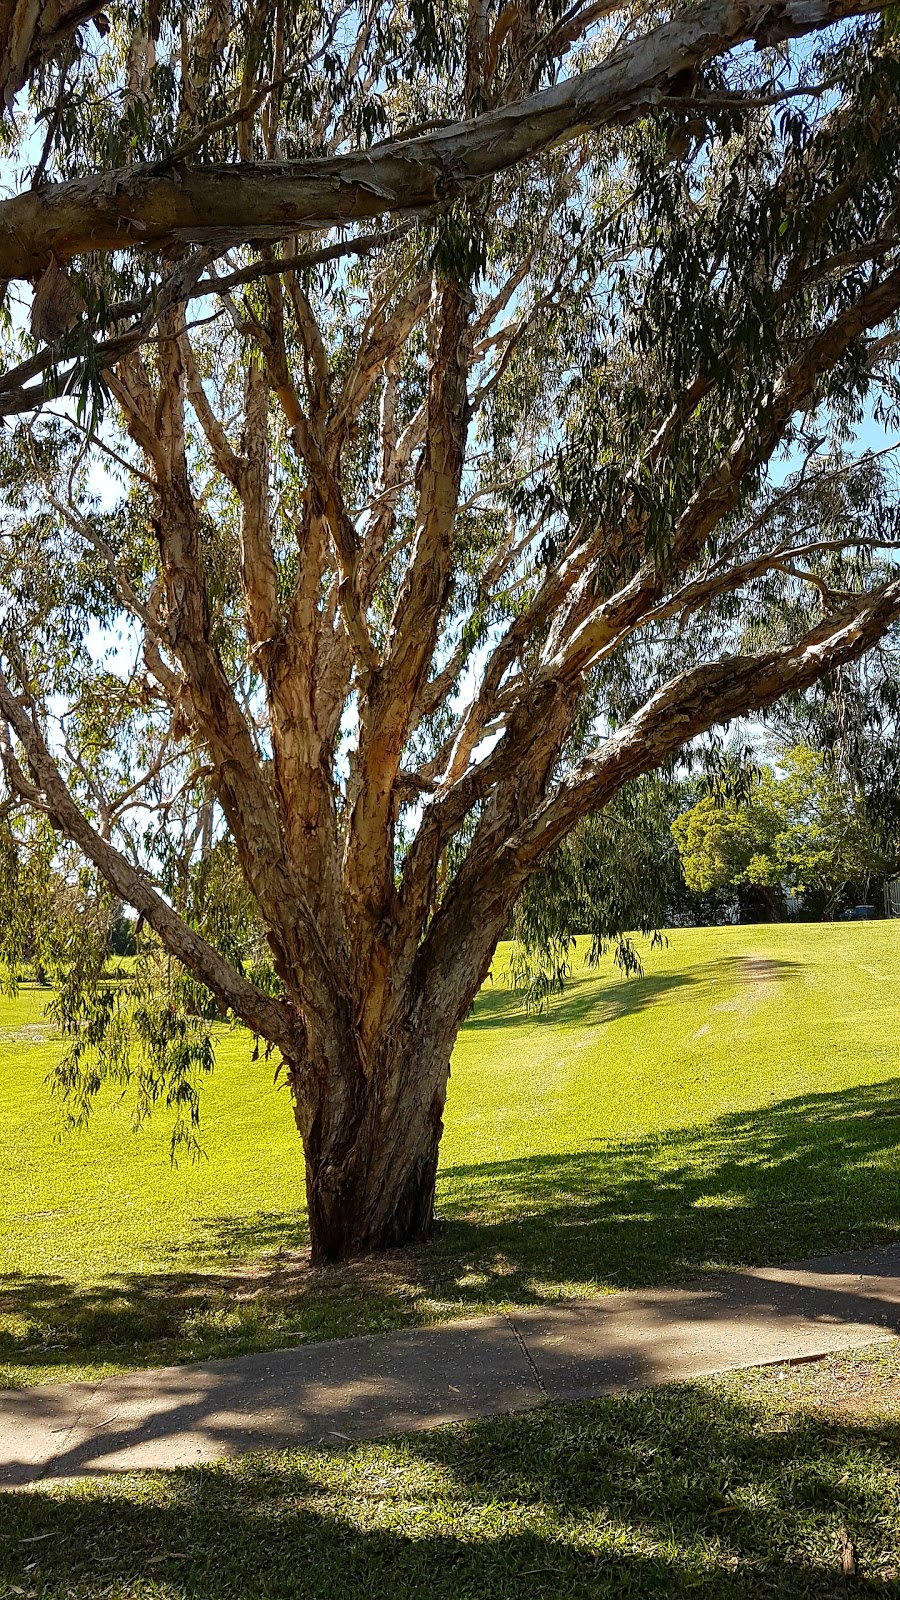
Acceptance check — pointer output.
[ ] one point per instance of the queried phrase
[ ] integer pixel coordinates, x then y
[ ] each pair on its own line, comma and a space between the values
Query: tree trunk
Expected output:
371, 1149
759, 902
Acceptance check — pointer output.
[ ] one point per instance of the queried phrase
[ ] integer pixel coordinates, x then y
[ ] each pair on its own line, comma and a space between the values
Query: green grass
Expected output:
738, 1104
721, 1490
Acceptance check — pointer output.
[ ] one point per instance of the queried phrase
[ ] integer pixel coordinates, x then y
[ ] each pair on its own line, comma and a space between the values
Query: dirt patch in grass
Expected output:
856, 1391
851, 1385
872, 1398
757, 974
29, 1033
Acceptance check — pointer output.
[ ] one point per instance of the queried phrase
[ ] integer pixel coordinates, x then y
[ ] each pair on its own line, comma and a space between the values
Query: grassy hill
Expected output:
739, 1103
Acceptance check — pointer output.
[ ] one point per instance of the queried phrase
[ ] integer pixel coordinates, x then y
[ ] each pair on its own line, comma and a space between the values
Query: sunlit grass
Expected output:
739, 1103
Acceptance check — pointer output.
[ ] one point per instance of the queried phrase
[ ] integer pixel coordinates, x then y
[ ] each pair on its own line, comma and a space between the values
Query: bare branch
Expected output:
695, 701
182, 285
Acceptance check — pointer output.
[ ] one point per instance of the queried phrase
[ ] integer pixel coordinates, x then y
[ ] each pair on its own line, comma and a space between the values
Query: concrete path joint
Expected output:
392, 1383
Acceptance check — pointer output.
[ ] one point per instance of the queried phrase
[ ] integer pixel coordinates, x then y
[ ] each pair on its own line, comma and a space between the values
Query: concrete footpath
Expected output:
324, 1394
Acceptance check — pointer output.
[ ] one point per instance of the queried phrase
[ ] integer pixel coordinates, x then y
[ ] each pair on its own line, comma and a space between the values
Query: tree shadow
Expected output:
583, 1002
692, 1489
809, 1176
580, 1002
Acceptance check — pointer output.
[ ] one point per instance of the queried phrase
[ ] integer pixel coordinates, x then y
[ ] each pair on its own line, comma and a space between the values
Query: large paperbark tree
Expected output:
426, 541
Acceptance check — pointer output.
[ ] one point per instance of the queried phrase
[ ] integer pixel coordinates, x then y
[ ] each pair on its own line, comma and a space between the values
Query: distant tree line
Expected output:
803, 840
721, 836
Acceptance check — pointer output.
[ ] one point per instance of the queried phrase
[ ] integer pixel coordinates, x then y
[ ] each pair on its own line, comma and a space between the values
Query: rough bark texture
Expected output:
371, 1156
309, 562
31, 30
150, 209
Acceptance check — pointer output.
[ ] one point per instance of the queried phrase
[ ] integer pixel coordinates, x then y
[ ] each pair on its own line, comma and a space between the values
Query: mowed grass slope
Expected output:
739, 1103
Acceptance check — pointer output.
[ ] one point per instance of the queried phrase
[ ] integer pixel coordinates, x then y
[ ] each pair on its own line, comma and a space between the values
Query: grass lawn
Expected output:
751, 1485
738, 1104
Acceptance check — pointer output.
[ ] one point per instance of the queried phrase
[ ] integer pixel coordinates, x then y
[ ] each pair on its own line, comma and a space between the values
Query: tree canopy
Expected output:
802, 828
431, 420
176, 93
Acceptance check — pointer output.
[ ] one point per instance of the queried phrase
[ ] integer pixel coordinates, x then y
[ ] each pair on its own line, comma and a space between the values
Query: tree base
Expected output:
392, 1208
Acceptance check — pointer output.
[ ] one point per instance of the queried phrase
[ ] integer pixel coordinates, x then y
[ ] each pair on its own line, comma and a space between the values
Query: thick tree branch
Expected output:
387, 709
30, 33
149, 207
463, 934
697, 700
259, 574
268, 1017
157, 424
578, 639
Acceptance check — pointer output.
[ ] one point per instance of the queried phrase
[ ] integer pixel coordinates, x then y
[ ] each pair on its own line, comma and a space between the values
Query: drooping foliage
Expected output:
348, 570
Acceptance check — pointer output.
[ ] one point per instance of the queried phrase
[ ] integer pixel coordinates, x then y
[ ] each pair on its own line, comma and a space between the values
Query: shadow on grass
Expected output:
694, 1490
810, 1175
583, 1002
806, 1177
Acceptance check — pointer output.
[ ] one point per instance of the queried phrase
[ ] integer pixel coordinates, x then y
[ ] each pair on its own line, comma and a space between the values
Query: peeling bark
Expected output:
371, 1156
32, 30
145, 207
344, 604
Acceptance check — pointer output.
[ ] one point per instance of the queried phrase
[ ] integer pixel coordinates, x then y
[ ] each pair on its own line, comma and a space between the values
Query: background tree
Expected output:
728, 844
614, 876
803, 828
422, 543
853, 715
